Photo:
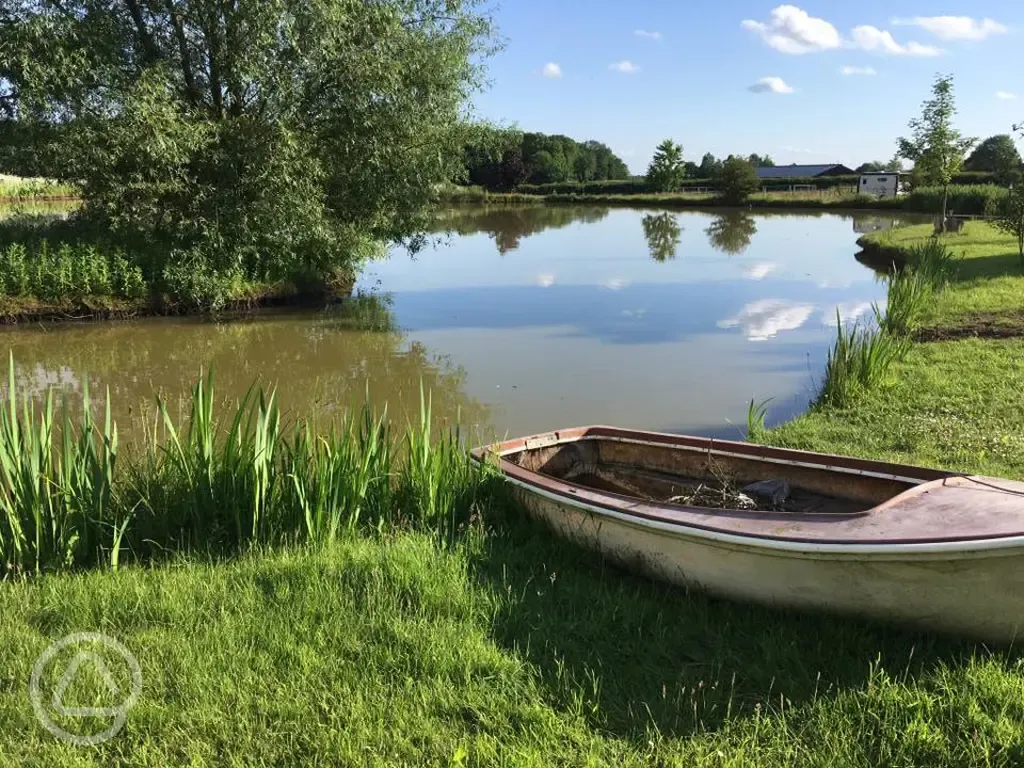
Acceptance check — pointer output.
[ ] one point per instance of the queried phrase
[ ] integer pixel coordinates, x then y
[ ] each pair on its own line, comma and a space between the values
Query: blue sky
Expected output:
632, 73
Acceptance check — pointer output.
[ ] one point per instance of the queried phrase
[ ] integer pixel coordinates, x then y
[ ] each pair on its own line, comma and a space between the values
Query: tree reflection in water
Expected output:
731, 232
662, 232
508, 225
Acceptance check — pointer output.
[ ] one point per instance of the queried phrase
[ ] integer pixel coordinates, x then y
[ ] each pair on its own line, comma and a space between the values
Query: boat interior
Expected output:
701, 475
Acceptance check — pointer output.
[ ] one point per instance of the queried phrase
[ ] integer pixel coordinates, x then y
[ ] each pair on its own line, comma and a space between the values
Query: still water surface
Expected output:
522, 320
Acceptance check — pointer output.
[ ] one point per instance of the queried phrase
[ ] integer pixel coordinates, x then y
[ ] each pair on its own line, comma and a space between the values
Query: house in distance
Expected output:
782, 172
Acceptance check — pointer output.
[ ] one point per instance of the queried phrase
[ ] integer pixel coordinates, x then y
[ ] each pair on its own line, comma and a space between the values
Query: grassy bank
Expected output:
955, 399
988, 280
965, 199
505, 648
50, 271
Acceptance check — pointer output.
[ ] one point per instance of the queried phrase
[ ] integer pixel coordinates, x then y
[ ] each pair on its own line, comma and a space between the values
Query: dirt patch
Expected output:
989, 325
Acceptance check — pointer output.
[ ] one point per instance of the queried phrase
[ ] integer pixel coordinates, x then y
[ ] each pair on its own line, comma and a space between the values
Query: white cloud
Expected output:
792, 30
614, 283
1005, 95
877, 40
763, 319
866, 71
955, 27
551, 70
770, 85
625, 66
759, 271
545, 280
648, 35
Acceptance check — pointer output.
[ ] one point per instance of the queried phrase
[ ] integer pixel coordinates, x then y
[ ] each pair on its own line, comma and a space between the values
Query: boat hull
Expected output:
973, 593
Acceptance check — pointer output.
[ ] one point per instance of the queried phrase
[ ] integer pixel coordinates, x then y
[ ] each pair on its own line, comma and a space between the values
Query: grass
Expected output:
505, 647
963, 199
958, 405
26, 190
986, 270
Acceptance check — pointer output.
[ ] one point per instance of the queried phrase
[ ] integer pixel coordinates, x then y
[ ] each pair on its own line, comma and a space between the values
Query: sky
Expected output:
811, 82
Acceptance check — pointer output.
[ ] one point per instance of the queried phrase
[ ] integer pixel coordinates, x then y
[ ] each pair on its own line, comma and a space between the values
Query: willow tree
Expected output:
251, 137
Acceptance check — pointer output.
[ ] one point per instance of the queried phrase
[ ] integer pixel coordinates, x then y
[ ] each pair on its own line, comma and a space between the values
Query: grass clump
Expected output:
858, 361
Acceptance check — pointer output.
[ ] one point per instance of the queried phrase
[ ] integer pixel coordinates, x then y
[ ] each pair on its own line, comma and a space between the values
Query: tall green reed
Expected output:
56, 495
859, 360
225, 479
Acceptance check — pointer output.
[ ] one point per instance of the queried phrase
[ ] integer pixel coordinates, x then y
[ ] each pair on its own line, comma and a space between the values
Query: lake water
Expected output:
520, 321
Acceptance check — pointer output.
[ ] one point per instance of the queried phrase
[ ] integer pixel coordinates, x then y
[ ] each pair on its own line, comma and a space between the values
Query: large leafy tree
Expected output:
935, 147
260, 137
710, 167
998, 155
761, 161
666, 171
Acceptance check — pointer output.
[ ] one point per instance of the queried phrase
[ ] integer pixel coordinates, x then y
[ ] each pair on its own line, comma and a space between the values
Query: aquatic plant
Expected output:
859, 359
225, 480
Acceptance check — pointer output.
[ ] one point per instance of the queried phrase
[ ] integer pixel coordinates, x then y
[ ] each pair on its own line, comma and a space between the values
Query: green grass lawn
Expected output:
507, 648
989, 280
954, 404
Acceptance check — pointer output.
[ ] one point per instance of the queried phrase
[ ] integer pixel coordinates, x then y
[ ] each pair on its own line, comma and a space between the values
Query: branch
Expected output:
149, 49
183, 52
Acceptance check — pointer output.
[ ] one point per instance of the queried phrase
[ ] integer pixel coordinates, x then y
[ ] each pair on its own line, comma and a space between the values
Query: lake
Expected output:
521, 320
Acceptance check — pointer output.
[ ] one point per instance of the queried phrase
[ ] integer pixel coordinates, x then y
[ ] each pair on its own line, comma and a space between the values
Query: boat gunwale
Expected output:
659, 515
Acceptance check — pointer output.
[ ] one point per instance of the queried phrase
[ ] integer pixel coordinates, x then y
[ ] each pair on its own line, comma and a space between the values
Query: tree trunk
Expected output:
945, 199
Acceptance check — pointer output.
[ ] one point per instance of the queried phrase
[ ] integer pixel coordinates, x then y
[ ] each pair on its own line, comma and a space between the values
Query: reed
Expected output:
225, 480
859, 360
57, 490
757, 413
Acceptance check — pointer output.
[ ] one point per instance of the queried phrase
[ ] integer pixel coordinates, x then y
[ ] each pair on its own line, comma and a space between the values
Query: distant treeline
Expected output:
506, 161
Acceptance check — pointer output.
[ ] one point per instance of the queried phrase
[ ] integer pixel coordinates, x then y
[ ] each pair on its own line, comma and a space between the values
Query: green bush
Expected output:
971, 199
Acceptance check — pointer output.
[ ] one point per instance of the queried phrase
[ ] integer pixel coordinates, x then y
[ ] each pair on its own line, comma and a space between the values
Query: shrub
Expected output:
739, 180
973, 199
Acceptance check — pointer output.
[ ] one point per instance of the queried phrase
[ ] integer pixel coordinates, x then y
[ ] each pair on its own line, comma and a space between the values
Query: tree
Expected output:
1008, 213
936, 148
691, 170
761, 161
895, 164
738, 180
875, 166
246, 139
998, 155
663, 232
731, 232
710, 167
665, 173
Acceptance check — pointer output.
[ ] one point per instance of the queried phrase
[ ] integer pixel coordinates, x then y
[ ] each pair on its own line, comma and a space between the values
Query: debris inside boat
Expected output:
713, 488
